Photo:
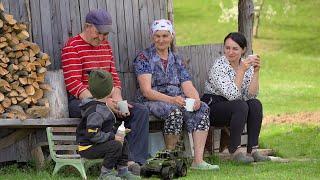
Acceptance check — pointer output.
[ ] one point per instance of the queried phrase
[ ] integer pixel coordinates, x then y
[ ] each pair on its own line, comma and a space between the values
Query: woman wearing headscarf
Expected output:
164, 84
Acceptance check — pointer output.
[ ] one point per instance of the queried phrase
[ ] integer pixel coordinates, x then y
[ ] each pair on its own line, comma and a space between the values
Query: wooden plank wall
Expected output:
53, 21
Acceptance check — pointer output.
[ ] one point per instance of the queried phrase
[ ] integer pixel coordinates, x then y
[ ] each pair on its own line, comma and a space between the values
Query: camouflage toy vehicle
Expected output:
167, 164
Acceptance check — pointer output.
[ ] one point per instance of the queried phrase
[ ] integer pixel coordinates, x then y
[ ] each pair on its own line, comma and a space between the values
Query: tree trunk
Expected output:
245, 21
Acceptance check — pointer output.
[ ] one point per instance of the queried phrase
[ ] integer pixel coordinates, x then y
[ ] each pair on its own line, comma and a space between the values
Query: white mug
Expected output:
123, 106
189, 104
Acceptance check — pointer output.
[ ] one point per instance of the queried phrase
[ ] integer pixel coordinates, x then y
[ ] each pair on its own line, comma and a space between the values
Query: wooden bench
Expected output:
63, 150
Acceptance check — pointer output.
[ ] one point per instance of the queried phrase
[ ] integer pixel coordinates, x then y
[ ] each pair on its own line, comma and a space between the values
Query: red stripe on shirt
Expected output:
78, 57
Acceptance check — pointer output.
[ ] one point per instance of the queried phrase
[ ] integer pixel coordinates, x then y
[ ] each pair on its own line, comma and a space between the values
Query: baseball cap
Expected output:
101, 19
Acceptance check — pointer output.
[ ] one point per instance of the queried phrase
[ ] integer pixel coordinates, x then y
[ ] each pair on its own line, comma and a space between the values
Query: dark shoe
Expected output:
135, 169
242, 158
108, 176
128, 175
259, 157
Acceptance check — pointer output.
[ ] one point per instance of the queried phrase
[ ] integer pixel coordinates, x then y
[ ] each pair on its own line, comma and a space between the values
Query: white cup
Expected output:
252, 56
123, 106
189, 104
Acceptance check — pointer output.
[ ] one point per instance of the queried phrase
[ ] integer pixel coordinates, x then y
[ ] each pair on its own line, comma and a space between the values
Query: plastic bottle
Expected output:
121, 130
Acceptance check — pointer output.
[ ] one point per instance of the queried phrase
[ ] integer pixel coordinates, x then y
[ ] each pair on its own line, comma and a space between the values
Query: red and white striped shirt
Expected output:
78, 58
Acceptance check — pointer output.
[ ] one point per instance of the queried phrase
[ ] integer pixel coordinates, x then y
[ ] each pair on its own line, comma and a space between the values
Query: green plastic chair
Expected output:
63, 141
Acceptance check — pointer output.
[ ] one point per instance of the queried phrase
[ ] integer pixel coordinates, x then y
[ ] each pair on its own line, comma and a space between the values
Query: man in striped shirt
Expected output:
91, 50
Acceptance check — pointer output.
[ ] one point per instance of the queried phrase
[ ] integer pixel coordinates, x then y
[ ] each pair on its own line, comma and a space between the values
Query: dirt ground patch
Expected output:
302, 117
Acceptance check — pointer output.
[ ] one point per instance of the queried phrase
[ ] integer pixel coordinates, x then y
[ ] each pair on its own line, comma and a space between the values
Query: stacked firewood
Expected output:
22, 72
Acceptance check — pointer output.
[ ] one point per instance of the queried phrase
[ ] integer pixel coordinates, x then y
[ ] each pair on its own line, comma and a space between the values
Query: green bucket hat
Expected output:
100, 83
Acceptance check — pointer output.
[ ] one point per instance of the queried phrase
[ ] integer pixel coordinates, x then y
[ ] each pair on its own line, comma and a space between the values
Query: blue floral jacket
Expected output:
165, 81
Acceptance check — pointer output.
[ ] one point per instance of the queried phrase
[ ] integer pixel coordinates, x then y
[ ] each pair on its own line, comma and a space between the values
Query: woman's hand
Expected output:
197, 105
245, 65
256, 63
178, 100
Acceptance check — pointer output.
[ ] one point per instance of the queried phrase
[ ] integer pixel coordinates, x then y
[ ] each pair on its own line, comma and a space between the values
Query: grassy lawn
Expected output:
289, 47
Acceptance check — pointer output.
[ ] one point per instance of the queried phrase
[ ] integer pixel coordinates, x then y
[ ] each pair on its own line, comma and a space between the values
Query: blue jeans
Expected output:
138, 122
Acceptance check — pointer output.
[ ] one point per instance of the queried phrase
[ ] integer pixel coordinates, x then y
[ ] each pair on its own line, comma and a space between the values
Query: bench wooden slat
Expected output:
69, 156
63, 138
65, 147
64, 129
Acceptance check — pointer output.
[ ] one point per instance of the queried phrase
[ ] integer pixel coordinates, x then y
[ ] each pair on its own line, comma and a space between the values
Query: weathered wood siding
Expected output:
53, 21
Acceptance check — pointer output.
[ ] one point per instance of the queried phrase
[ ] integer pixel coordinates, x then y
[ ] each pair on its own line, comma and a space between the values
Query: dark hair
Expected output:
238, 38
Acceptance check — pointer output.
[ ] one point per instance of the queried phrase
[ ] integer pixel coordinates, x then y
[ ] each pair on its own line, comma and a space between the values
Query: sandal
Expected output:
204, 166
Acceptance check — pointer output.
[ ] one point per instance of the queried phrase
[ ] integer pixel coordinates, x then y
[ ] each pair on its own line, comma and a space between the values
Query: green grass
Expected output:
289, 47
295, 142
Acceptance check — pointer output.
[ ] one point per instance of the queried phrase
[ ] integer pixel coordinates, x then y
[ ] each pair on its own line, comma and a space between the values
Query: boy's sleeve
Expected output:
93, 129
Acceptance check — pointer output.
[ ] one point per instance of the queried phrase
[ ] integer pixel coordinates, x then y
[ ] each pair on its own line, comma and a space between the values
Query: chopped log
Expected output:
36, 85
18, 54
3, 44
30, 90
20, 89
4, 65
41, 70
4, 84
12, 68
45, 86
1, 109
22, 26
24, 58
25, 103
1, 7
23, 35
38, 112
30, 81
13, 93
20, 98
9, 18
14, 85
40, 77
43, 102
5, 59
35, 48
23, 80
14, 100
8, 77
18, 112
7, 28
3, 71
20, 46
43, 56
22, 73
33, 75
31, 53
1, 97
6, 102
1, 23
37, 95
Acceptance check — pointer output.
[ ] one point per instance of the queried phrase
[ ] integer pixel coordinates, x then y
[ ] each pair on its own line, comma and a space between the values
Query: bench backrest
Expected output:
62, 142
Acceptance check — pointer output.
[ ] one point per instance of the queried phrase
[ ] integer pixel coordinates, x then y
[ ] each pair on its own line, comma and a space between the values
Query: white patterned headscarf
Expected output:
162, 24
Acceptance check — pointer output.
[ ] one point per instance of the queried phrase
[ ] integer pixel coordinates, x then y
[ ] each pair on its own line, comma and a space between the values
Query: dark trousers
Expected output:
235, 114
138, 122
113, 152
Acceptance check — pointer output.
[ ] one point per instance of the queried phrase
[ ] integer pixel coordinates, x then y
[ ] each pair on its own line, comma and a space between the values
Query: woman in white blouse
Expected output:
230, 92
